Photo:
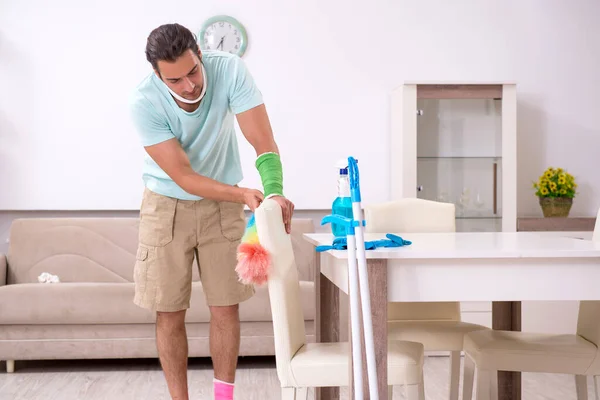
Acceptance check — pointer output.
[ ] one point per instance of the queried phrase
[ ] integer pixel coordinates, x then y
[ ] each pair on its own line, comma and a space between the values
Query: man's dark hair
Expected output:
168, 42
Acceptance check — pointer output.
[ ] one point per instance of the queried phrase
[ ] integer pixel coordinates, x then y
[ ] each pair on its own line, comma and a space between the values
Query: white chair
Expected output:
437, 325
301, 365
488, 352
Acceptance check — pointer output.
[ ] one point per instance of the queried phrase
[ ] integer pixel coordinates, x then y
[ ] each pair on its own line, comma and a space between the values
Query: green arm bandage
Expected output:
271, 173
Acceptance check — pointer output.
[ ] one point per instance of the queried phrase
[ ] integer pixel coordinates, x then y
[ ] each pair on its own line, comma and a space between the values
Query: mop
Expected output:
358, 280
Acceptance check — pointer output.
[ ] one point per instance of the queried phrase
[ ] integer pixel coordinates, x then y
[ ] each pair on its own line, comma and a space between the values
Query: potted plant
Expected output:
555, 189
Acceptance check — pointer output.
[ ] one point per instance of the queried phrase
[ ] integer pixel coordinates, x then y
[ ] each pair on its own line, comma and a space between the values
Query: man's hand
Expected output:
253, 198
287, 208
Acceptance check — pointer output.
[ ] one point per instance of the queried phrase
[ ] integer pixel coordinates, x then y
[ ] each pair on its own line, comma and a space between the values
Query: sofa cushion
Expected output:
74, 249
102, 250
112, 303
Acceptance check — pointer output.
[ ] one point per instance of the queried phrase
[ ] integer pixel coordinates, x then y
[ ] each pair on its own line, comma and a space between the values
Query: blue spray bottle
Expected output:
342, 205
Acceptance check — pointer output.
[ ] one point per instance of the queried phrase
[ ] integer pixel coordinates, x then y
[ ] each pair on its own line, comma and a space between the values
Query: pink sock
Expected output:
223, 390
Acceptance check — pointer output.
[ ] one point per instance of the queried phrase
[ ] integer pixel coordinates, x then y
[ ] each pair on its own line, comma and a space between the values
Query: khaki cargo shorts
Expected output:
172, 232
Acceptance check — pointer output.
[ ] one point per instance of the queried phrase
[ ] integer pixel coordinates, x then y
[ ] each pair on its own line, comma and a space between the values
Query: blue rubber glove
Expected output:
342, 244
398, 240
391, 241
338, 244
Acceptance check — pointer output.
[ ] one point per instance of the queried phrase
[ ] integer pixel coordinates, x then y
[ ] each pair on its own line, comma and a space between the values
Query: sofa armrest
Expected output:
3, 269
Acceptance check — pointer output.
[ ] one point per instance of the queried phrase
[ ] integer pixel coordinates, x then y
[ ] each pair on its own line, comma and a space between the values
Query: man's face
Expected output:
184, 76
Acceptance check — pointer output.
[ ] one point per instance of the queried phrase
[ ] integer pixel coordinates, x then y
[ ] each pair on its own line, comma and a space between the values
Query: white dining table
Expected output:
504, 268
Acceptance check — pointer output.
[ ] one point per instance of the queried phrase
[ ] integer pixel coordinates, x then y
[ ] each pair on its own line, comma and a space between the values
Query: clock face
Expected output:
224, 34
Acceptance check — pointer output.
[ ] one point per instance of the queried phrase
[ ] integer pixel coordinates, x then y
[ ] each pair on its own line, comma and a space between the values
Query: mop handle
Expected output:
357, 366
353, 292
363, 276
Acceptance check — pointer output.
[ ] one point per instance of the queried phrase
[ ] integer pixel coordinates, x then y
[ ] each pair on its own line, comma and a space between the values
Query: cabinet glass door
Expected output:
459, 158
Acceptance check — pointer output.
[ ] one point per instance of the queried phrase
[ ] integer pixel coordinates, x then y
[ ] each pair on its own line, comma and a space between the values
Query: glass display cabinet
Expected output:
456, 143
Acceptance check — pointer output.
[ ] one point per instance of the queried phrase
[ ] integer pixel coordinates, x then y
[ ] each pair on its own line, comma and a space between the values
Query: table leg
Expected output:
327, 321
379, 303
506, 315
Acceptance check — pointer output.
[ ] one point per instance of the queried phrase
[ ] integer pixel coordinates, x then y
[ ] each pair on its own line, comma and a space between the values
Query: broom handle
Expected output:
365, 297
363, 275
353, 292
355, 318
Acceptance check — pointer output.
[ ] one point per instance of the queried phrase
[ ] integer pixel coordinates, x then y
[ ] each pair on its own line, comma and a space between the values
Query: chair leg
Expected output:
289, 393
596, 394
469, 375
454, 374
302, 393
10, 366
581, 387
414, 392
390, 392
486, 384
494, 385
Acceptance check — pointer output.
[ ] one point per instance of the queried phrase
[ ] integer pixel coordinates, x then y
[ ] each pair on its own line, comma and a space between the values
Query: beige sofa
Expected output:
90, 313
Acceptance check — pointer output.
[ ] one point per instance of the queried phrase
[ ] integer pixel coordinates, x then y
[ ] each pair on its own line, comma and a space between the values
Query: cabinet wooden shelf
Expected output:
570, 224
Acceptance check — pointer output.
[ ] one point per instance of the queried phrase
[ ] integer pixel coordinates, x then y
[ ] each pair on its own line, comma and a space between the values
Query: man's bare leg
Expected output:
172, 344
224, 341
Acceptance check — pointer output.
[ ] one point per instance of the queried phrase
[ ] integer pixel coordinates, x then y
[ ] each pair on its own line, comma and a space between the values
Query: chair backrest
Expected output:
304, 252
412, 215
284, 288
588, 320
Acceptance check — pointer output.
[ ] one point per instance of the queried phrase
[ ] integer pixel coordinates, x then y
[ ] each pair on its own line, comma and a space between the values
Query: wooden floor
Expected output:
256, 379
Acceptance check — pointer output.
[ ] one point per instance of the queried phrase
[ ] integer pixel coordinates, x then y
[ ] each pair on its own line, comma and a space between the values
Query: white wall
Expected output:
326, 69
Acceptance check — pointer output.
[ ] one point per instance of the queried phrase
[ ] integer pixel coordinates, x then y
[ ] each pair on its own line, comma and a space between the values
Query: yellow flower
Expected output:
555, 182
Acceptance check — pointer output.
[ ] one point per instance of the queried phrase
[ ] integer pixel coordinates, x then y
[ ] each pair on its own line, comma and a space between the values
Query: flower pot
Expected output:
556, 206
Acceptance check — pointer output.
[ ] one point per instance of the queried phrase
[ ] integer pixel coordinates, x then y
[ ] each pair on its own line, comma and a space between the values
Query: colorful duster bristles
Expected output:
254, 261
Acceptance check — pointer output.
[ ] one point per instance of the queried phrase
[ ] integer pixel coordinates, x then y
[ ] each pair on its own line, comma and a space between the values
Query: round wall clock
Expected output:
223, 33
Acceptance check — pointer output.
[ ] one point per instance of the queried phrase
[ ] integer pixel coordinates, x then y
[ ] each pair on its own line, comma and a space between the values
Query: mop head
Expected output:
254, 261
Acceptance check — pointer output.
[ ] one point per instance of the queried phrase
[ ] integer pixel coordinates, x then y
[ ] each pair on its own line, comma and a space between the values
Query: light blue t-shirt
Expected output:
207, 134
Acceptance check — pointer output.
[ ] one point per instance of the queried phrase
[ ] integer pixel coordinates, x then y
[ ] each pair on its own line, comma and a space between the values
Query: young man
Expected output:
184, 112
